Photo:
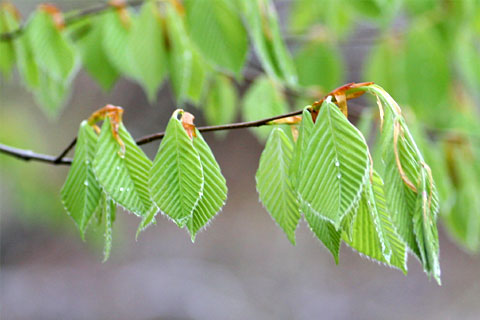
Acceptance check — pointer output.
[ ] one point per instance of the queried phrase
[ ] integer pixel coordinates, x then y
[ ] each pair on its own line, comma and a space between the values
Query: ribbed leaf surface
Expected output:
336, 166
123, 178
323, 229
214, 188
373, 231
81, 191
108, 211
177, 178
274, 185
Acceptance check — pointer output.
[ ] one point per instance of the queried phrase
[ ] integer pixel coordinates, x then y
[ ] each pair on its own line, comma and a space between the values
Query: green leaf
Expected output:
81, 191
333, 14
374, 234
262, 24
94, 57
51, 50
274, 185
427, 68
336, 166
177, 177
51, 94
108, 209
27, 66
147, 51
123, 177
218, 32
323, 229
214, 191
319, 64
8, 23
187, 70
263, 99
220, 106
409, 186
116, 29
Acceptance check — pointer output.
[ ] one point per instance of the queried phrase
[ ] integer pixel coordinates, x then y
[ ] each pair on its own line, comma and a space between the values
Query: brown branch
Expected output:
29, 155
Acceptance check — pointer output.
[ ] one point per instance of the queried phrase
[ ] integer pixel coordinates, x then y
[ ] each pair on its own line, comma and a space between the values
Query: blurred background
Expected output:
242, 266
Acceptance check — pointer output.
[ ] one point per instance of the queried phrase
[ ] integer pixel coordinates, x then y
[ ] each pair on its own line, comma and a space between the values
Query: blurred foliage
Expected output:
425, 53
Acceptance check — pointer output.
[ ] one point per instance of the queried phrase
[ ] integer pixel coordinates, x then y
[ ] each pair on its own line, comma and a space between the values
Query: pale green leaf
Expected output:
8, 23
51, 50
336, 166
214, 191
323, 229
94, 57
274, 185
115, 37
81, 191
220, 106
147, 51
319, 64
373, 232
263, 26
304, 134
177, 178
123, 177
26, 64
51, 93
218, 32
262, 100
109, 214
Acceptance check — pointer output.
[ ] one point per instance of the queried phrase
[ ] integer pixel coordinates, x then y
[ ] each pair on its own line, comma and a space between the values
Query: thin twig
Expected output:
29, 155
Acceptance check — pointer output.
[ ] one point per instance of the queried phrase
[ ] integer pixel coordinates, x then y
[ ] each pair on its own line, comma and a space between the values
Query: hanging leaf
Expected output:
198, 79
108, 211
27, 66
177, 177
274, 185
319, 64
53, 53
262, 24
217, 30
81, 192
262, 100
324, 230
220, 106
214, 191
147, 51
409, 186
336, 166
94, 57
123, 177
8, 22
116, 29
373, 232
51, 94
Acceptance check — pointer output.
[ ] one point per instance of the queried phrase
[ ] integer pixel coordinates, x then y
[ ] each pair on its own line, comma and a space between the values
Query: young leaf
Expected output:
214, 189
123, 177
81, 192
323, 229
263, 99
116, 28
147, 52
221, 101
177, 178
51, 93
218, 32
373, 232
336, 166
26, 64
94, 57
274, 185
8, 23
304, 134
319, 64
108, 209
264, 30
53, 53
